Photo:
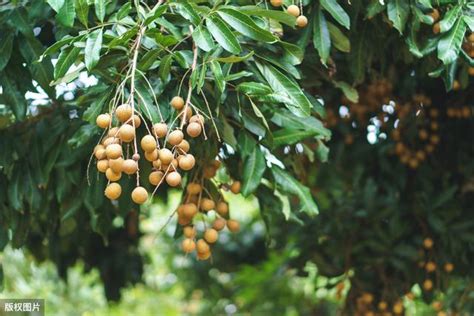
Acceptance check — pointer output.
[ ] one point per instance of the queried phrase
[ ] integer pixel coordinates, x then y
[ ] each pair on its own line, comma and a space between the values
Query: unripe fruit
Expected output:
194, 129
235, 187
187, 162
184, 146
173, 179
139, 195
222, 208
166, 156
207, 204
197, 118
151, 155
103, 120
428, 285
102, 165
112, 175
301, 21
160, 129
130, 166
127, 133
448, 267
113, 132
175, 137
177, 102
211, 235
189, 210
136, 120
113, 151
233, 225
193, 188
123, 112
148, 143
189, 232
99, 152
219, 224
155, 177
116, 164
202, 246
188, 245
276, 3
293, 10
113, 191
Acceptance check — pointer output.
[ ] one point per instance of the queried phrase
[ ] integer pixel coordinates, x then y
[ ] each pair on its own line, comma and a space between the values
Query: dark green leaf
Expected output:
65, 60
222, 34
67, 13
243, 24
337, 12
450, 18
82, 11
339, 40
6, 44
254, 167
398, 11
276, 15
321, 38
203, 39
92, 50
99, 6
450, 44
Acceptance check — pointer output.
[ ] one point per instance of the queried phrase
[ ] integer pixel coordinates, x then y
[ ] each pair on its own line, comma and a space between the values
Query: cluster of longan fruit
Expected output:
167, 150
294, 10
366, 305
197, 205
463, 112
429, 265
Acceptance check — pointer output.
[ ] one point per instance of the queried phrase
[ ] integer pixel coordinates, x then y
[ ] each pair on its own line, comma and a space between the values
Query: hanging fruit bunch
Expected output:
295, 9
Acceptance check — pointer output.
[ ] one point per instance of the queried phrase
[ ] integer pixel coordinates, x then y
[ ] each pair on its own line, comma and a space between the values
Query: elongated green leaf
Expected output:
165, 67
65, 61
203, 39
293, 53
321, 38
96, 107
450, 44
337, 12
287, 120
218, 76
56, 4
6, 44
222, 34
338, 39
290, 185
82, 11
398, 11
469, 20
155, 13
243, 24
290, 136
19, 21
254, 167
13, 97
282, 84
349, 91
276, 15
186, 10
67, 13
148, 59
92, 51
234, 59
254, 88
450, 18
99, 6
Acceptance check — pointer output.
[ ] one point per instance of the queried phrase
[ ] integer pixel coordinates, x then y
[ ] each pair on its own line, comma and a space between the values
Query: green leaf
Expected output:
287, 120
222, 34
148, 59
374, 8
155, 13
234, 59
339, 40
276, 15
13, 98
282, 84
337, 12
82, 11
65, 61
243, 24
254, 88
100, 6
96, 107
218, 76
290, 185
398, 11
254, 167
203, 39
57, 45
290, 136
321, 38
349, 91
92, 50
6, 45
294, 54
450, 43
450, 18
56, 4
185, 9
165, 67
469, 20
67, 13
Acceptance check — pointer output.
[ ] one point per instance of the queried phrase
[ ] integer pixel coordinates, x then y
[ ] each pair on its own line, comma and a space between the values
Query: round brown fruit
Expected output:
219, 224
148, 143
204, 255
189, 231
293, 10
428, 285
436, 28
177, 102
211, 235
301, 21
110, 140
123, 112
235, 187
113, 191
209, 172
166, 156
435, 15
188, 245
173, 179
194, 129
182, 220
157, 164
193, 188
197, 118
155, 177
136, 120
222, 208
160, 129
202, 246
103, 120
116, 164
99, 152
127, 133
139, 195
113, 151
136, 156
129, 166
187, 162
184, 145
175, 137
207, 204
189, 210
112, 175
151, 155
233, 225
276, 3
189, 113
102, 165
113, 132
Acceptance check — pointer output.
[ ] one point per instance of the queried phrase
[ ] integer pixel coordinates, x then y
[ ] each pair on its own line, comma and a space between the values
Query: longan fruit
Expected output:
428, 243
204, 255
148, 143
151, 155
209, 172
382, 305
113, 151
136, 120
211, 235
113, 132
216, 164
435, 15
222, 208
194, 129
423, 134
427, 285
430, 266
202, 246
157, 164
183, 220
116, 164
155, 177
102, 165
175, 137
184, 146
177, 102
136, 156
448, 267
174, 164
190, 209
456, 85
466, 112
113, 191
189, 113
103, 120
166, 156
187, 162
235, 187
471, 71
110, 140
189, 231
398, 308
293, 10
207, 204
219, 224
436, 28
99, 152
437, 305
367, 298
470, 38
112, 175
127, 133
123, 112
301, 21
276, 3
188, 245
129, 166
139, 195
160, 129
233, 225
197, 118
173, 179
193, 188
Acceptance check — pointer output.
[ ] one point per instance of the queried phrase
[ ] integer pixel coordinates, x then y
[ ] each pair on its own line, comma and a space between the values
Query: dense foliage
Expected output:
390, 81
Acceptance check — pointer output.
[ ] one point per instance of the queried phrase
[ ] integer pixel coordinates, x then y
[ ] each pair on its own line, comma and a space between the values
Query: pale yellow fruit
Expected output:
102, 165
166, 156
184, 146
111, 140
113, 132
193, 188
177, 102
136, 120
301, 21
112, 175
103, 120
148, 143
204, 255
127, 133
219, 224
293, 10
139, 195
222, 208
194, 129
276, 3
113, 191
175, 137
173, 179
155, 177
160, 129
188, 245
116, 164
428, 285
151, 155
202, 246
235, 187
99, 152
207, 204
233, 225
197, 118
189, 232
113, 151
211, 235
129, 166
123, 112
187, 162
428, 243
190, 209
